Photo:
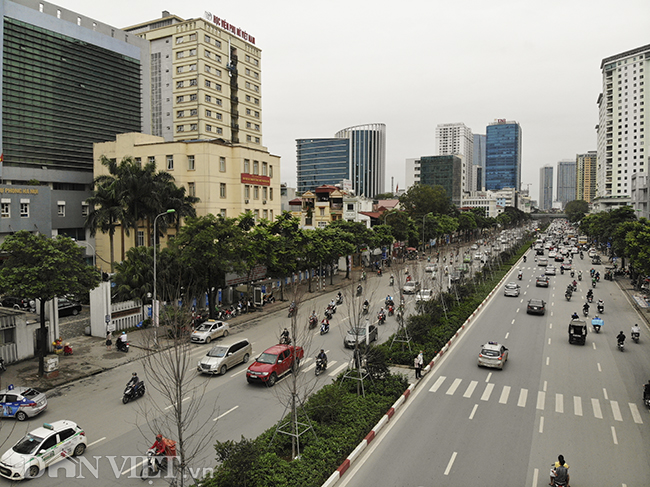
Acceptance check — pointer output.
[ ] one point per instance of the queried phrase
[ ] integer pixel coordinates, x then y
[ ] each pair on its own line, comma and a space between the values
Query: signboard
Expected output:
259, 272
225, 25
255, 179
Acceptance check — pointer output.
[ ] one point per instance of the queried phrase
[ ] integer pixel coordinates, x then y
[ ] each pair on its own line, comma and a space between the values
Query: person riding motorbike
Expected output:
121, 341
339, 298
313, 319
620, 338
575, 284
284, 337
590, 295
575, 316
560, 473
389, 301
159, 448
585, 309
635, 332
359, 290
573, 273
524, 258
323, 357
392, 279
381, 316
325, 324
520, 275
562, 269
646, 391
579, 275
600, 305
379, 272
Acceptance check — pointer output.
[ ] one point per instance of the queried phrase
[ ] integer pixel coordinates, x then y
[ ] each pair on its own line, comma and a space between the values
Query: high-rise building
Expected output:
566, 181
367, 158
478, 161
445, 171
622, 145
503, 155
457, 139
586, 176
206, 79
321, 162
68, 81
546, 188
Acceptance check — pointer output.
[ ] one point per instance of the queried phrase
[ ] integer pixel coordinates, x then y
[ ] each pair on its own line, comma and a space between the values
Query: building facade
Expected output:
59, 96
321, 162
206, 79
566, 181
478, 160
546, 188
586, 176
229, 179
622, 145
457, 139
367, 167
503, 155
640, 195
445, 171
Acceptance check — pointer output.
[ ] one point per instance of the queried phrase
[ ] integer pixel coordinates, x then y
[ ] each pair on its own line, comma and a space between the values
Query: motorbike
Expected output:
392, 280
365, 309
313, 321
646, 400
580, 276
590, 297
321, 365
324, 327
339, 299
562, 270
133, 391
359, 290
621, 346
363, 276
285, 340
122, 346
328, 313
391, 310
2, 365
593, 282
153, 464
585, 311
601, 309
635, 336
597, 323
381, 318
573, 273
568, 295
582, 256
519, 276
389, 302
292, 310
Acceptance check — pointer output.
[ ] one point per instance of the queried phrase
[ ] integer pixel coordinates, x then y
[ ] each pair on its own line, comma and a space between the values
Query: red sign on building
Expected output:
255, 179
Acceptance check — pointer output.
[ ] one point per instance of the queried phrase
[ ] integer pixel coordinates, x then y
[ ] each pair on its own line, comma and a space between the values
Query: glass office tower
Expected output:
503, 156
321, 161
367, 157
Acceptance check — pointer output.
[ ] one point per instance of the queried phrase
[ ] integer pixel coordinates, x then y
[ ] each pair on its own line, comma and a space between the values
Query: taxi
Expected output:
21, 402
493, 354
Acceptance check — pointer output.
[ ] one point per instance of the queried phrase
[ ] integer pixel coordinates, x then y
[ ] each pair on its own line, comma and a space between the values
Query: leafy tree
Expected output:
637, 240
284, 244
576, 210
42, 268
422, 199
384, 196
401, 226
466, 223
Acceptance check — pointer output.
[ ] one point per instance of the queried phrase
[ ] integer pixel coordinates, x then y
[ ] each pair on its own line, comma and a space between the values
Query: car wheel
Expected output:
272, 380
207, 340
75, 312
79, 450
225, 333
32, 472
21, 416
223, 370
245, 358
16, 306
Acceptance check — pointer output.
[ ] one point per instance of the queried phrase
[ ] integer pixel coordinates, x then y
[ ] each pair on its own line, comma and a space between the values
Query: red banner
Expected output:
255, 179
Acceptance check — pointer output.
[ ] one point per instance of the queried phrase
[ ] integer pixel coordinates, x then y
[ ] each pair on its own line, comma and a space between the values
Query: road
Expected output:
470, 426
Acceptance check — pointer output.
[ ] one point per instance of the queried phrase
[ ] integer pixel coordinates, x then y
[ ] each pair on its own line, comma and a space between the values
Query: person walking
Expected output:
418, 362
109, 342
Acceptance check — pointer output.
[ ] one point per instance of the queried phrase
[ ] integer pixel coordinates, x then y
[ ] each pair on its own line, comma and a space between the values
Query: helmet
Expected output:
134, 374
159, 436
123, 333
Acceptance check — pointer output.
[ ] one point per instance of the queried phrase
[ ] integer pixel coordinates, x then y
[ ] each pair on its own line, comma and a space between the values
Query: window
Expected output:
193, 96
218, 101
248, 125
180, 99
179, 84
170, 162
193, 112
180, 113
208, 83
222, 190
24, 208
208, 98
191, 189
60, 208
180, 54
151, 159
208, 69
265, 167
192, 67
247, 191
193, 82
217, 86
256, 192
321, 211
192, 52
193, 126
179, 40
84, 209
257, 140
179, 69
265, 214
223, 213
247, 166
218, 116
5, 209
217, 73
219, 130
190, 163
222, 164
257, 127
207, 39
207, 54
217, 43
256, 167
270, 171
138, 161
208, 128
192, 37
248, 111
257, 214
264, 192
208, 113
256, 101
140, 239
180, 128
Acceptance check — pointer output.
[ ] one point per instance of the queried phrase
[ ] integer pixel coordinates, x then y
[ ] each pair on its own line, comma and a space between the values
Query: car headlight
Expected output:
263, 374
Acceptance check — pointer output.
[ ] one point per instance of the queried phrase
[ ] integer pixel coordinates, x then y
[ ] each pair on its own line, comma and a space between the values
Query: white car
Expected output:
550, 271
511, 289
41, 448
411, 287
424, 295
431, 268
209, 330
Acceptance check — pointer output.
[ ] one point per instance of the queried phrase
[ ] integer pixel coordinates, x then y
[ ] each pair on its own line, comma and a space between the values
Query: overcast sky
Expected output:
415, 64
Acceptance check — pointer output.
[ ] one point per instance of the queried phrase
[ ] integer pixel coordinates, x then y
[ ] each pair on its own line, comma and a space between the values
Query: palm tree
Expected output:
106, 211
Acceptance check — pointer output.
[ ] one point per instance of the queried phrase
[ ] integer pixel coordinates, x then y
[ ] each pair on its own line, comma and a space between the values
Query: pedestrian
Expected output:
418, 362
109, 342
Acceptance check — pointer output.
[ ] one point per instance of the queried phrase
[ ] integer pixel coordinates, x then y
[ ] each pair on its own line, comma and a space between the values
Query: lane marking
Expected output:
593, 345
541, 424
605, 394
471, 416
507, 335
599, 368
595, 404
535, 475
470, 388
172, 405
559, 403
635, 413
488, 377
222, 415
436, 385
541, 397
453, 387
616, 411
96, 441
338, 370
614, 438
451, 462
487, 392
577, 405
545, 386
505, 392
549, 341
550, 326
523, 396
512, 322
547, 360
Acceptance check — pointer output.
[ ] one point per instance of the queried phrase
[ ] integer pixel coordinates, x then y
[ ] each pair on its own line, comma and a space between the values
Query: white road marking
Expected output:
599, 368
512, 322
550, 326
489, 376
507, 335
559, 403
471, 416
616, 411
635, 413
454, 385
505, 392
577, 406
605, 394
523, 396
545, 386
593, 345
535, 475
172, 405
614, 438
549, 341
437, 383
470, 388
96, 441
541, 397
451, 462
547, 360
541, 424
487, 392
338, 370
240, 372
595, 404
222, 415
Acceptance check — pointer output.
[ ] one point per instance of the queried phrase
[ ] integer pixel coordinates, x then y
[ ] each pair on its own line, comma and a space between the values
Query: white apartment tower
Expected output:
622, 148
457, 139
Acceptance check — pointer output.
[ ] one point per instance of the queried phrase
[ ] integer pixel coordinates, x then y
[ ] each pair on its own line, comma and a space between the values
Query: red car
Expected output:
274, 363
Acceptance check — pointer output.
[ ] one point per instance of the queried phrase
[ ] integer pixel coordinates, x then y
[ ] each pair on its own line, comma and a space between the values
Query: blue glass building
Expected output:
503, 156
321, 161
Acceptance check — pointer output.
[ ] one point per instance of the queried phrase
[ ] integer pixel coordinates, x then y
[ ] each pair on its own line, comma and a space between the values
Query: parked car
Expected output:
511, 289
209, 330
541, 281
536, 307
21, 403
41, 448
15, 303
67, 307
493, 354
225, 356
357, 334
273, 363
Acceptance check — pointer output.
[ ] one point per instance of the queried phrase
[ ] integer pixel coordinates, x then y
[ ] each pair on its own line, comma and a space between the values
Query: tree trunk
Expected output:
43, 342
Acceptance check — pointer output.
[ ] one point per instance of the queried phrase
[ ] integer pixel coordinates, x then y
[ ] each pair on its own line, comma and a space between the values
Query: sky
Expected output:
415, 64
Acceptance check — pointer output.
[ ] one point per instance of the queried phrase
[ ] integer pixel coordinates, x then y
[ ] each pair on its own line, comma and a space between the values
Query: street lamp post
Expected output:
154, 307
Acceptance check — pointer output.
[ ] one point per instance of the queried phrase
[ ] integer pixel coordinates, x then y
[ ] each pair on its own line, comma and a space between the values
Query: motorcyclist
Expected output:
590, 295
322, 356
359, 290
366, 304
561, 269
524, 258
381, 315
121, 341
159, 445
389, 300
575, 284
621, 338
601, 304
635, 331
284, 337
646, 390
585, 308
575, 316
573, 273
392, 279
520, 275
134, 379
580, 275
325, 323
339, 297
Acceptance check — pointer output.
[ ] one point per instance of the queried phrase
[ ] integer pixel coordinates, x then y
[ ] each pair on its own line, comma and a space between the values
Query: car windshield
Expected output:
357, 331
203, 327
511, 285
535, 303
487, 352
218, 352
28, 444
30, 392
267, 358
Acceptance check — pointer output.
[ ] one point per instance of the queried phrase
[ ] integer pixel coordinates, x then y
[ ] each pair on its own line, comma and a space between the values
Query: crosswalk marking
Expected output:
635, 413
437, 383
338, 370
577, 406
616, 411
487, 392
523, 396
454, 385
595, 404
470, 389
541, 397
504, 395
559, 403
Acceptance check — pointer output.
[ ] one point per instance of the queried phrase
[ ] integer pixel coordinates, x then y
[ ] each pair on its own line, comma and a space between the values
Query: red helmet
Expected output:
159, 437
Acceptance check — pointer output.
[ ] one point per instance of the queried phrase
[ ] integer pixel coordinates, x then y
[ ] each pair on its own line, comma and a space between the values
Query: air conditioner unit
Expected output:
246, 201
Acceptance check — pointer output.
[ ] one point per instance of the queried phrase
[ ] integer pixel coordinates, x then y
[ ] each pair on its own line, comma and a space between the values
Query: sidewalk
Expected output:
91, 357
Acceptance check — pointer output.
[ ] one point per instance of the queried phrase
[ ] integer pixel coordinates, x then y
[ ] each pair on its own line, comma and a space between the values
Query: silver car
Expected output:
358, 335
209, 330
21, 403
225, 356
511, 289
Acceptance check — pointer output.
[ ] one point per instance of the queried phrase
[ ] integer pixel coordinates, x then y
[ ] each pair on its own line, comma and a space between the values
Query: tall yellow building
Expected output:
229, 179
586, 176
